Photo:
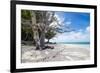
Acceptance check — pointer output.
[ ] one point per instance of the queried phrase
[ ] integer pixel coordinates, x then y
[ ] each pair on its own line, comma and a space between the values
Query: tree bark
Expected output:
35, 31
48, 41
42, 40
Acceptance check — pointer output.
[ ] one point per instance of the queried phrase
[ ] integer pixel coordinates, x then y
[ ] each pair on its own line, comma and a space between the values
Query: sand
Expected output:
61, 52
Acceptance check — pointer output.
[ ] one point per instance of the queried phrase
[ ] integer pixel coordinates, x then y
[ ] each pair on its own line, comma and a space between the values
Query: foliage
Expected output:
26, 30
26, 14
35, 26
50, 34
26, 33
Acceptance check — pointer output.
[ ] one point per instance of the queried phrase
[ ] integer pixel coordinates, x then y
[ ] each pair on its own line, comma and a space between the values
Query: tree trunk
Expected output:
26, 36
42, 40
35, 30
48, 41
37, 40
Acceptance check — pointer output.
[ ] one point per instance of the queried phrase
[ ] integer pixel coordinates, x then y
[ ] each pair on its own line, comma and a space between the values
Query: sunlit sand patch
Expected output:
32, 55
59, 53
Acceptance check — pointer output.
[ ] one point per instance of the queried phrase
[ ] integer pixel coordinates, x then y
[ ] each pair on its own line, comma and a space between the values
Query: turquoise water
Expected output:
80, 44
73, 42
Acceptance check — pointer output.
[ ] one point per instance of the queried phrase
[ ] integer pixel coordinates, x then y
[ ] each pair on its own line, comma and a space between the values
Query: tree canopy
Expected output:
36, 26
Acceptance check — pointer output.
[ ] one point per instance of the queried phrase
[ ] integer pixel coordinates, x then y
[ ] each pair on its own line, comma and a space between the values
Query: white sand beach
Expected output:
61, 52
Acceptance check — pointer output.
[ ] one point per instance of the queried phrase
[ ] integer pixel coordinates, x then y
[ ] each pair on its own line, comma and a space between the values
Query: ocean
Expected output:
80, 44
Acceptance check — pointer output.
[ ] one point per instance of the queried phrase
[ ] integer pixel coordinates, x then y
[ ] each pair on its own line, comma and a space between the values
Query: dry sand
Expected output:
61, 52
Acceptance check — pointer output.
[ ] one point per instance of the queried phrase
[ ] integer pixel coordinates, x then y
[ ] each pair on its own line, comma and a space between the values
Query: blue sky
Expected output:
80, 22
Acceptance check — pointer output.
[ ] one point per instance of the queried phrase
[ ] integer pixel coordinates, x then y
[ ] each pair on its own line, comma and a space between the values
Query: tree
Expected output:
40, 23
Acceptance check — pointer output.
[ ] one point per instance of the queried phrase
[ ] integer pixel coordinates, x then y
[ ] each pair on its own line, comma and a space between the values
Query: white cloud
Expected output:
88, 29
60, 18
61, 21
68, 22
73, 36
